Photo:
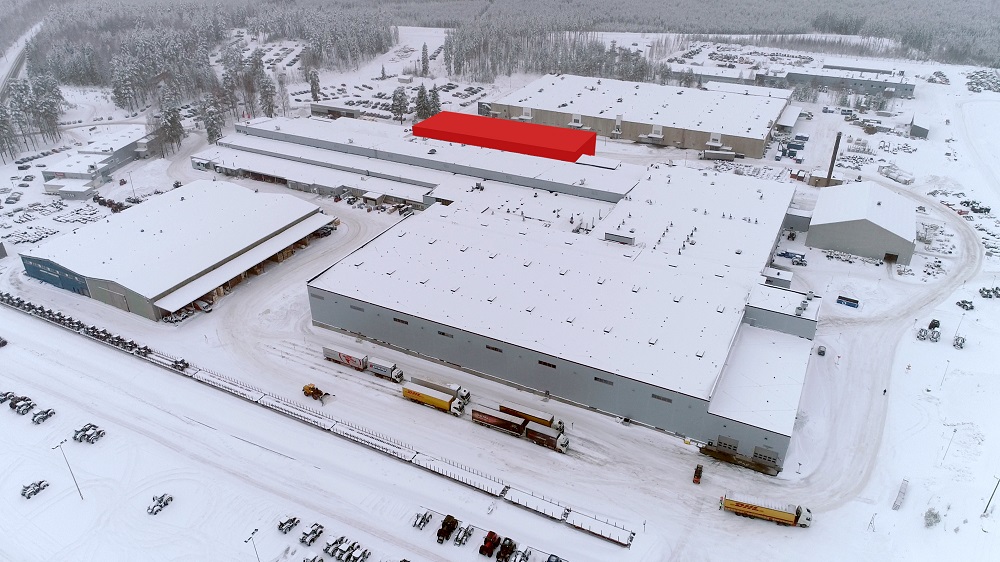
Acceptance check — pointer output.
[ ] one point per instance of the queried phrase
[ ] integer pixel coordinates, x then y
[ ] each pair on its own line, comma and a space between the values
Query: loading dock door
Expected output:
112, 298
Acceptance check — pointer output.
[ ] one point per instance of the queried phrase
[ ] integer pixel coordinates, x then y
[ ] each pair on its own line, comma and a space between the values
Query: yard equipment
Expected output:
958, 343
42, 415
5, 396
448, 526
490, 544
966, 305
697, 474
463, 534
288, 524
935, 336
32, 489
507, 548
310, 536
422, 519
24, 406
312, 391
331, 547
159, 502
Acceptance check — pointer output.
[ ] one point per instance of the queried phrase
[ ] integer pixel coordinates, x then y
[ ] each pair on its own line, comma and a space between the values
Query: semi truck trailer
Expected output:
748, 506
452, 389
378, 367
546, 437
433, 398
498, 420
531, 414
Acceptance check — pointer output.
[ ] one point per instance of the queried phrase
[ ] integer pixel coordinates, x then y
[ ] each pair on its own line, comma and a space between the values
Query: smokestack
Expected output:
833, 160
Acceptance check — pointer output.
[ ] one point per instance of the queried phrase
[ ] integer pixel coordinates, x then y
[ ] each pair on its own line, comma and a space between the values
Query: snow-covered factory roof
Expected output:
762, 382
334, 141
115, 139
669, 106
869, 201
789, 116
75, 163
748, 90
638, 311
781, 71
168, 241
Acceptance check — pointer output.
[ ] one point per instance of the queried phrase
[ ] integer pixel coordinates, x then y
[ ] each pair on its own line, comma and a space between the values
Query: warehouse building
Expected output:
864, 219
194, 242
868, 83
687, 118
651, 308
77, 174
375, 150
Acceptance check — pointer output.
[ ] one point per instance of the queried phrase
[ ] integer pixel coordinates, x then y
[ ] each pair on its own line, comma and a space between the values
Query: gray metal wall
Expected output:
781, 322
861, 238
859, 85
631, 130
121, 297
673, 412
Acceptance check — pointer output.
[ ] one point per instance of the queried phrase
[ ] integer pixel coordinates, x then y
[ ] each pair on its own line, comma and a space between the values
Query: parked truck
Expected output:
453, 389
433, 398
546, 437
531, 414
748, 506
378, 367
717, 155
499, 420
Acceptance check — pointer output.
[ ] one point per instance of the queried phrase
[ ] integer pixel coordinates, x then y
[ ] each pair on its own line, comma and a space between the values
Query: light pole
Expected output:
132, 184
948, 361
250, 540
59, 446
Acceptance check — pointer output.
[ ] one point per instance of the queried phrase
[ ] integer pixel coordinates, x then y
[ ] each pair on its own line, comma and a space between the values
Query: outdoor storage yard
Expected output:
893, 447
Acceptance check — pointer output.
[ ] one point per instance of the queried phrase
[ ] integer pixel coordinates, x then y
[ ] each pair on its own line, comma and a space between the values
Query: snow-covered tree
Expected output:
425, 61
435, 101
423, 103
400, 102
313, 78
10, 142
267, 91
213, 115
283, 101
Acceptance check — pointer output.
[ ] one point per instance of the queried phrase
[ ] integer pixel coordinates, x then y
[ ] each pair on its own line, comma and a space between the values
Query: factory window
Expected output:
400, 320
547, 364
445, 334
496, 349
604, 381
358, 308
664, 398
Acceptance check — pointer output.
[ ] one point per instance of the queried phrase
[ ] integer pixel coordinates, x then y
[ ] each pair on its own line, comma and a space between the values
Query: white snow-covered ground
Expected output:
233, 466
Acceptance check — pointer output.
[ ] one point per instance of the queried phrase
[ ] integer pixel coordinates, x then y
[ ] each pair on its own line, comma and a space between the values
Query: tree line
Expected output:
29, 114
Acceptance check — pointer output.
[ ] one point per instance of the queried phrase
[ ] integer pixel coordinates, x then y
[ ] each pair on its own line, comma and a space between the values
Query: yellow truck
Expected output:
433, 398
749, 506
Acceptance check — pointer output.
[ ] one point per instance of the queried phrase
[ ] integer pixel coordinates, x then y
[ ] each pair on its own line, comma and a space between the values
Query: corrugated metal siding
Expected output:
642, 402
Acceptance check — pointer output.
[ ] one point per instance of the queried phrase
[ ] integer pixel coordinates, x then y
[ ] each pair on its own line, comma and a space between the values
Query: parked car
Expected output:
23, 185
3, 342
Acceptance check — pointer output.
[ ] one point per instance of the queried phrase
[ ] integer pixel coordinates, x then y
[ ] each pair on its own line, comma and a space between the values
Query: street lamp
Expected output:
130, 182
250, 540
59, 446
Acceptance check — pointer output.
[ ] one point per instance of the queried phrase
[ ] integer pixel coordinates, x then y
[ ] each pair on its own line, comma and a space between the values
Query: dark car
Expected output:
24, 167
23, 185
3, 342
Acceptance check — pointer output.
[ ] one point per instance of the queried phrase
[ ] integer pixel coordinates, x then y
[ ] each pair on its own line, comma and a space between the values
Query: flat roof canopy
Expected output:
513, 136
170, 240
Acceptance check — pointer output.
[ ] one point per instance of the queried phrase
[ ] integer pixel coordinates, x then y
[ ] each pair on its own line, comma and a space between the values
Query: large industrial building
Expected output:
650, 113
76, 174
194, 242
869, 82
864, 219
633, 290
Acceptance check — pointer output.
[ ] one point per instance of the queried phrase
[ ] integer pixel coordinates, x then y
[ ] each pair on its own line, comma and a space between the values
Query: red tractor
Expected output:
490, 543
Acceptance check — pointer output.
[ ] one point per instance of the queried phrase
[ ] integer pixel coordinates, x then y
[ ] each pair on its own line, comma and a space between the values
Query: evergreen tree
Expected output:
10, 142
213, 115
383, 72
423, 104
283, 101
449, 48
313, 78
425, 61
399, 104
267, 91
435, 101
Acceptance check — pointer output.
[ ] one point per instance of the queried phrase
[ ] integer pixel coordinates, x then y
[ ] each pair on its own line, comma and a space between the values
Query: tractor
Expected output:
312, 391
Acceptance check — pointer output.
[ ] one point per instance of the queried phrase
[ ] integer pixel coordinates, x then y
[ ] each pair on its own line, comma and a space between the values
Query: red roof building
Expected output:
513, 136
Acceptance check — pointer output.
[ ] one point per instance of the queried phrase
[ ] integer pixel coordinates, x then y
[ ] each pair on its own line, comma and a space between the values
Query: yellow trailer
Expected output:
433, 398
749, 506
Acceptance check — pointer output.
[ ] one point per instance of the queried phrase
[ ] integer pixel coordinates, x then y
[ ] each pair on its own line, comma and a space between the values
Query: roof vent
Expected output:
607, 329
810, 295
798, 311
652, 341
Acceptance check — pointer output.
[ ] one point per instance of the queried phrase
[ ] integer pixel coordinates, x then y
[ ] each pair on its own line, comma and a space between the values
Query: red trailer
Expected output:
546, 437
498, 420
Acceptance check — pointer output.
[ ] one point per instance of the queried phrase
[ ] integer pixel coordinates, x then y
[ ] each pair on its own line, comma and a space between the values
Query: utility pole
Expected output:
250, 540
132, 184
59, 446
991, 496
945, 373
